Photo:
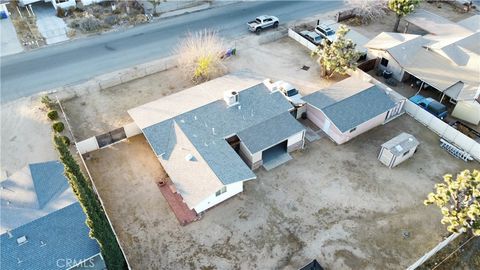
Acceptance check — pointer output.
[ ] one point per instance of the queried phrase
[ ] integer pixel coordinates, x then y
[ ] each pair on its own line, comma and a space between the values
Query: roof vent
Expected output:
19, 261
189, 157
9, 234
22, 240
42, 244
231, 98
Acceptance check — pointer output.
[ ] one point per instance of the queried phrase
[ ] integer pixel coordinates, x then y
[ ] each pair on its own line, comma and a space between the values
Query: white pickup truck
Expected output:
262, 22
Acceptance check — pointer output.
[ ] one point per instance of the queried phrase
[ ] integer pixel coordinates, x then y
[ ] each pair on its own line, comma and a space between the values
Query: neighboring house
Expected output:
209, 145
446, 60
349, 108
33, 192
58, 240
42, 224
65, 4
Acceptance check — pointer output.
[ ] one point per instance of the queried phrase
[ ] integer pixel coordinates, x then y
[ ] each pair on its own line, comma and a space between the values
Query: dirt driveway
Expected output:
338, 204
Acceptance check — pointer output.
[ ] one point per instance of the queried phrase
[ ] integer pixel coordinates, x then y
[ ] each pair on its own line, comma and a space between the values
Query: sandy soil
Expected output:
386, 23
337, 204
25, 136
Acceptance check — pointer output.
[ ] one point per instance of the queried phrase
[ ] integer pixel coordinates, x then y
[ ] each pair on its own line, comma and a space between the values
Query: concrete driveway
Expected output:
52, 28
10, 43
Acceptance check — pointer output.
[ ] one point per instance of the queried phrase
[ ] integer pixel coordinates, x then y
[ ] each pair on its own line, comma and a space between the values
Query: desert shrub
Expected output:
111, 20
80, 7
58, 126
117, 10
199, 56
52, 114
47, 102
87, 24
61, 12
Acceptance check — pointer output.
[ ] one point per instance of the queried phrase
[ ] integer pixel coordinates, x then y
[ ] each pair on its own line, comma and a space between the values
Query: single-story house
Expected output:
42, 223
447, 59
33, 192
350, 107
59, 240
210, 137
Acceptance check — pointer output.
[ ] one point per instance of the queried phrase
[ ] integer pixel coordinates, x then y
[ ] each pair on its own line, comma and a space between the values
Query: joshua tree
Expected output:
402, 8
338, 56
459, 202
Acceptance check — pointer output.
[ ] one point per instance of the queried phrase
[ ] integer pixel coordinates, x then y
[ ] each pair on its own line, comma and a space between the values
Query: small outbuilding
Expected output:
398, 149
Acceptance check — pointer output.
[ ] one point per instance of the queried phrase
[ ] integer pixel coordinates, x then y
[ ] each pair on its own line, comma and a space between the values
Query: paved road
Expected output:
27, 73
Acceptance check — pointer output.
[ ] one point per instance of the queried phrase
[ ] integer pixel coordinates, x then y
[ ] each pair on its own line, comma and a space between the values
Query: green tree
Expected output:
338, 56
100, 228
402, 8
458, 200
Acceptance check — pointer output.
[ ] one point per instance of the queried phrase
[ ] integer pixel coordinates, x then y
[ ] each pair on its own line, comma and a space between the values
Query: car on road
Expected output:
326, 32
430, 105
288, 90
262, 22
312, 37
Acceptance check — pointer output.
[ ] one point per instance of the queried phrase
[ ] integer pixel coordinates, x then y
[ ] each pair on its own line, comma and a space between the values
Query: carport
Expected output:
434, 24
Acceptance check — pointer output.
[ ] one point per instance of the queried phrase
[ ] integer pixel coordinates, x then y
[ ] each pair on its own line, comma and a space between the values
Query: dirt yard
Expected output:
337, 204
386, 23
105, 110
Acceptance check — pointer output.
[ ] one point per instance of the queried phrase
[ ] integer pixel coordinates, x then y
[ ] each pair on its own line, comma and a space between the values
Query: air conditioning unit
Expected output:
231, 98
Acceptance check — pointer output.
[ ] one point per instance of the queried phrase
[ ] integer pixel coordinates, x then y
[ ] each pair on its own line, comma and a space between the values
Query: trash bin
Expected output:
387, 74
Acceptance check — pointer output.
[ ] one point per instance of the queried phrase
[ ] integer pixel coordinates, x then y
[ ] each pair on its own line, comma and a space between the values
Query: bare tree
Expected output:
368, 10
199, 56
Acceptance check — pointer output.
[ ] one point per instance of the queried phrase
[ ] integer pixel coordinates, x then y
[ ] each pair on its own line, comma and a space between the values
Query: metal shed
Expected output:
398, 149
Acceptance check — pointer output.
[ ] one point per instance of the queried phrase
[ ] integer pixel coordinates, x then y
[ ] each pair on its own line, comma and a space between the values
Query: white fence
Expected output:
443, 129
432, 252
305, 42
91, 144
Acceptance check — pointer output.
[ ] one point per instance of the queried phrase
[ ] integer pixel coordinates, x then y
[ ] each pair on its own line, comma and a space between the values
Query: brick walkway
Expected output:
175, 201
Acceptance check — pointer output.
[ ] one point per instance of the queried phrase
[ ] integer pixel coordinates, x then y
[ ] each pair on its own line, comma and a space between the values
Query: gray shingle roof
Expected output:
268, 133
64, 234
319, 100
354, 110
208, 126
48, 180
401, 144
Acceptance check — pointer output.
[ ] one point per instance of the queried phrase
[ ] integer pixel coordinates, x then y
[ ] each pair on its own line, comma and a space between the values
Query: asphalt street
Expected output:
30, 72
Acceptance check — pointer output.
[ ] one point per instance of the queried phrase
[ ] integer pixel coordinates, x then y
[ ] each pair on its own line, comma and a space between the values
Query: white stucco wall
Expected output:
393, 66
213, 200
319, 119
295, 138
387, 158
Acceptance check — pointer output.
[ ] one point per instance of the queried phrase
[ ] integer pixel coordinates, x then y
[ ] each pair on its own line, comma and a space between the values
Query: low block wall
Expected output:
305, 42
112, 79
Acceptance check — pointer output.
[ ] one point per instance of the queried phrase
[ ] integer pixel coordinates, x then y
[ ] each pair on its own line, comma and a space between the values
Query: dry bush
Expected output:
199, 56
87, 24
368, 10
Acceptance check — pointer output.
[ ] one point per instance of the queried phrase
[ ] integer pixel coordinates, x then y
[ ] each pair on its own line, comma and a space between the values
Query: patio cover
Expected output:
434, 24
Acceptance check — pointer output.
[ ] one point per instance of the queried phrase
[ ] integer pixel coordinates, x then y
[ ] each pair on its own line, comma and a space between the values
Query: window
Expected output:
353, 129
404, 154
221, 191
384, 62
